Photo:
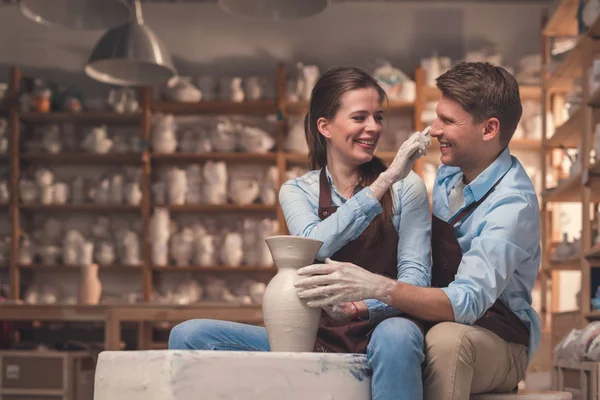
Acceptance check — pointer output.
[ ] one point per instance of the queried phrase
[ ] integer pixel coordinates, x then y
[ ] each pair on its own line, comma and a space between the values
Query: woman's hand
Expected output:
343, 312
411, 150
340, 282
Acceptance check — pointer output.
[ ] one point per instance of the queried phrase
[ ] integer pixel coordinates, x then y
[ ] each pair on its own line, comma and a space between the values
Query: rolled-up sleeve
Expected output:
507, 239
345, 225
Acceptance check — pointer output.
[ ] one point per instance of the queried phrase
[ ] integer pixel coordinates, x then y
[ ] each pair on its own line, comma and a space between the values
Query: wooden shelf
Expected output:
220, 208
571, 264
593, 315
189, 158
527, 92
594, 252
568, 191
569, 133
570, 68
75, 268
297, 158
258, 107
85, 207
190, 268
393, 107
83, 158
525, 144
83, 117
52, 312
563, 21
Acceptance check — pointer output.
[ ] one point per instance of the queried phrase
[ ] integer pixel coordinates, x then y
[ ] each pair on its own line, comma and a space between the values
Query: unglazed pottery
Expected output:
291, 325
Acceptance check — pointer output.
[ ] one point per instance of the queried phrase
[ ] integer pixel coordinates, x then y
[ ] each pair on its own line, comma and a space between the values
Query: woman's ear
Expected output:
323, 127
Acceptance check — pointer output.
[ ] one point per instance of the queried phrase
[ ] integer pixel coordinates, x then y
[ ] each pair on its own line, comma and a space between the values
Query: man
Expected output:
485, 246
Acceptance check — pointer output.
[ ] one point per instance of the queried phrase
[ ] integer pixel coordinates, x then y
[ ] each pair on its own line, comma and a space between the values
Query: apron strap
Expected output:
467, 210
324, 191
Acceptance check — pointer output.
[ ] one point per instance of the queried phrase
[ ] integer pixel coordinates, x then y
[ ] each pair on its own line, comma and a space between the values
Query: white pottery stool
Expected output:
195, 374
524, 395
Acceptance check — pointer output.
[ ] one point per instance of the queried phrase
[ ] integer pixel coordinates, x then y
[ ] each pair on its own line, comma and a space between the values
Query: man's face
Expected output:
459, 137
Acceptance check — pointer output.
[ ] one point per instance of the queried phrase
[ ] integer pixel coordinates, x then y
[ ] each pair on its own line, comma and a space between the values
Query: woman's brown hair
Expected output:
325, 101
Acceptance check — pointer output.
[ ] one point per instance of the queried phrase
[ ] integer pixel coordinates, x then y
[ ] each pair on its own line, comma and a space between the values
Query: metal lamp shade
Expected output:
130, 55
273, 10
77, 14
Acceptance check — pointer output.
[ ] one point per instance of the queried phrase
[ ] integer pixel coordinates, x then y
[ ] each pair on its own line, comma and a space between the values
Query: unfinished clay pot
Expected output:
291, 325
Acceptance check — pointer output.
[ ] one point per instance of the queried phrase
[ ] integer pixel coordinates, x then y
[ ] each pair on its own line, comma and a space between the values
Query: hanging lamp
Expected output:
77, 14
273, 10
131, 55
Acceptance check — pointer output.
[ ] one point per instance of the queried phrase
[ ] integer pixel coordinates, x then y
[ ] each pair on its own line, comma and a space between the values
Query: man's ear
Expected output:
323, 127
491, 129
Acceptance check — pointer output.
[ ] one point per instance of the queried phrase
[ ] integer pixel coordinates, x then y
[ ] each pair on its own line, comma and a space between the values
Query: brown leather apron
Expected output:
380, 257
447, 255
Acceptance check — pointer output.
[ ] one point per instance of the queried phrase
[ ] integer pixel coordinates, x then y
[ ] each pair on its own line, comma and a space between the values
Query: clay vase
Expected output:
291, 325
90, 287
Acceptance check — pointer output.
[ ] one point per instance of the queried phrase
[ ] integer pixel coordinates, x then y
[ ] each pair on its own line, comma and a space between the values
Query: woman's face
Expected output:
354, 131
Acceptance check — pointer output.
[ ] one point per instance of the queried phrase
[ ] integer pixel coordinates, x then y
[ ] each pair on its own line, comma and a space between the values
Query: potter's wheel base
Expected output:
186, 374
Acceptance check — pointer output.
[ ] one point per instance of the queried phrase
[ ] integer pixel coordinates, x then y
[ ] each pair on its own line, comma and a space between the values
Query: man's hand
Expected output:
411, 150
340, 282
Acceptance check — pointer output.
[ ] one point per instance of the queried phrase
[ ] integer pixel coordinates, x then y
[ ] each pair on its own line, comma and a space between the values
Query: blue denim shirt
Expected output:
299, 200
500, 242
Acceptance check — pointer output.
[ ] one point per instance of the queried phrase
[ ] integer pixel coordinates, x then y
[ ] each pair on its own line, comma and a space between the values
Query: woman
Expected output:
363, 213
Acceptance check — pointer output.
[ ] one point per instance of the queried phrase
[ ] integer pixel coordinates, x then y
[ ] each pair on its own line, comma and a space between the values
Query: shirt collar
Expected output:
332, 185
448, 176
488, 178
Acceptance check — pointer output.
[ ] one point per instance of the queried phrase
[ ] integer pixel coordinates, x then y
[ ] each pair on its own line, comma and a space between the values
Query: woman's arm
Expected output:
413, 223
345, 225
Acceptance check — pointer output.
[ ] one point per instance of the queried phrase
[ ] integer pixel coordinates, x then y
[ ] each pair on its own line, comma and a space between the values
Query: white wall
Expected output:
202, 38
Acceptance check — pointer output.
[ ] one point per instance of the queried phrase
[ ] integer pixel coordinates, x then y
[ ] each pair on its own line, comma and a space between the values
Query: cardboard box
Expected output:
46, 375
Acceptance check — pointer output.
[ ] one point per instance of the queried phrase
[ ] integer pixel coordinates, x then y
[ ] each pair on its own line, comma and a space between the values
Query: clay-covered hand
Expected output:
411, 150
340, 282
342, 312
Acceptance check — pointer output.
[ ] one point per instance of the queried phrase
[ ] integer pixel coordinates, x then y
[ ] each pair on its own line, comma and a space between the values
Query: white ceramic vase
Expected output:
291, 325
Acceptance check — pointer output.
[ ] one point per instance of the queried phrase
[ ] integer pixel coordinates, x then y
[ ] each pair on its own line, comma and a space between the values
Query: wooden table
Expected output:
149, 313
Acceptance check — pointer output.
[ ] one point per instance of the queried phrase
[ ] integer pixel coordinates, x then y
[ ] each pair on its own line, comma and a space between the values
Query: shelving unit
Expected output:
149, 161
576, 132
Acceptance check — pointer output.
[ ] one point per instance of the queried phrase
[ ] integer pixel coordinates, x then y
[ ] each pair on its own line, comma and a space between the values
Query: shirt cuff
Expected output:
375, 308
368, 203
455, 296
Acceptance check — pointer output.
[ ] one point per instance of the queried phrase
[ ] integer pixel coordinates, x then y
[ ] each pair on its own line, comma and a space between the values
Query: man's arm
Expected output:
507, 238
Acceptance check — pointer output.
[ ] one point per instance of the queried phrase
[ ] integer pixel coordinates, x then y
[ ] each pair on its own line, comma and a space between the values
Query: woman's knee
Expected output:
397, 336
191, 334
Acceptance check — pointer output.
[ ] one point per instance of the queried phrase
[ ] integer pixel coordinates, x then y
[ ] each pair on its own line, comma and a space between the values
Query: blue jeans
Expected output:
395, 351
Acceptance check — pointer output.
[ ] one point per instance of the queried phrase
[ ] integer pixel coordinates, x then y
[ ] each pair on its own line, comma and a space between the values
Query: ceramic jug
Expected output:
291, 325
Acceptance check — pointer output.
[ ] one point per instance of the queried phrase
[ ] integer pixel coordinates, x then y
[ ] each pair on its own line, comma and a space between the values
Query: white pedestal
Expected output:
193, 375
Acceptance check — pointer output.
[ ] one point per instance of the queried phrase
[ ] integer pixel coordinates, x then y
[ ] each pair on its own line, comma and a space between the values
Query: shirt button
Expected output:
324, 212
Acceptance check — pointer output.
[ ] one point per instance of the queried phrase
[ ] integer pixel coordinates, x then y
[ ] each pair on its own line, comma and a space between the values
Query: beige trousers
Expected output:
464, 359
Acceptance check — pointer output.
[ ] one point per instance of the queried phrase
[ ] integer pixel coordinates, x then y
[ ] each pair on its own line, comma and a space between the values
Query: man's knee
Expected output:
449, 340
397, 336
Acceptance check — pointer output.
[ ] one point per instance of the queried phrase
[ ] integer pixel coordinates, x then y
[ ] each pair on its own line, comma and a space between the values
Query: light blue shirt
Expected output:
500, 242
299, 200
